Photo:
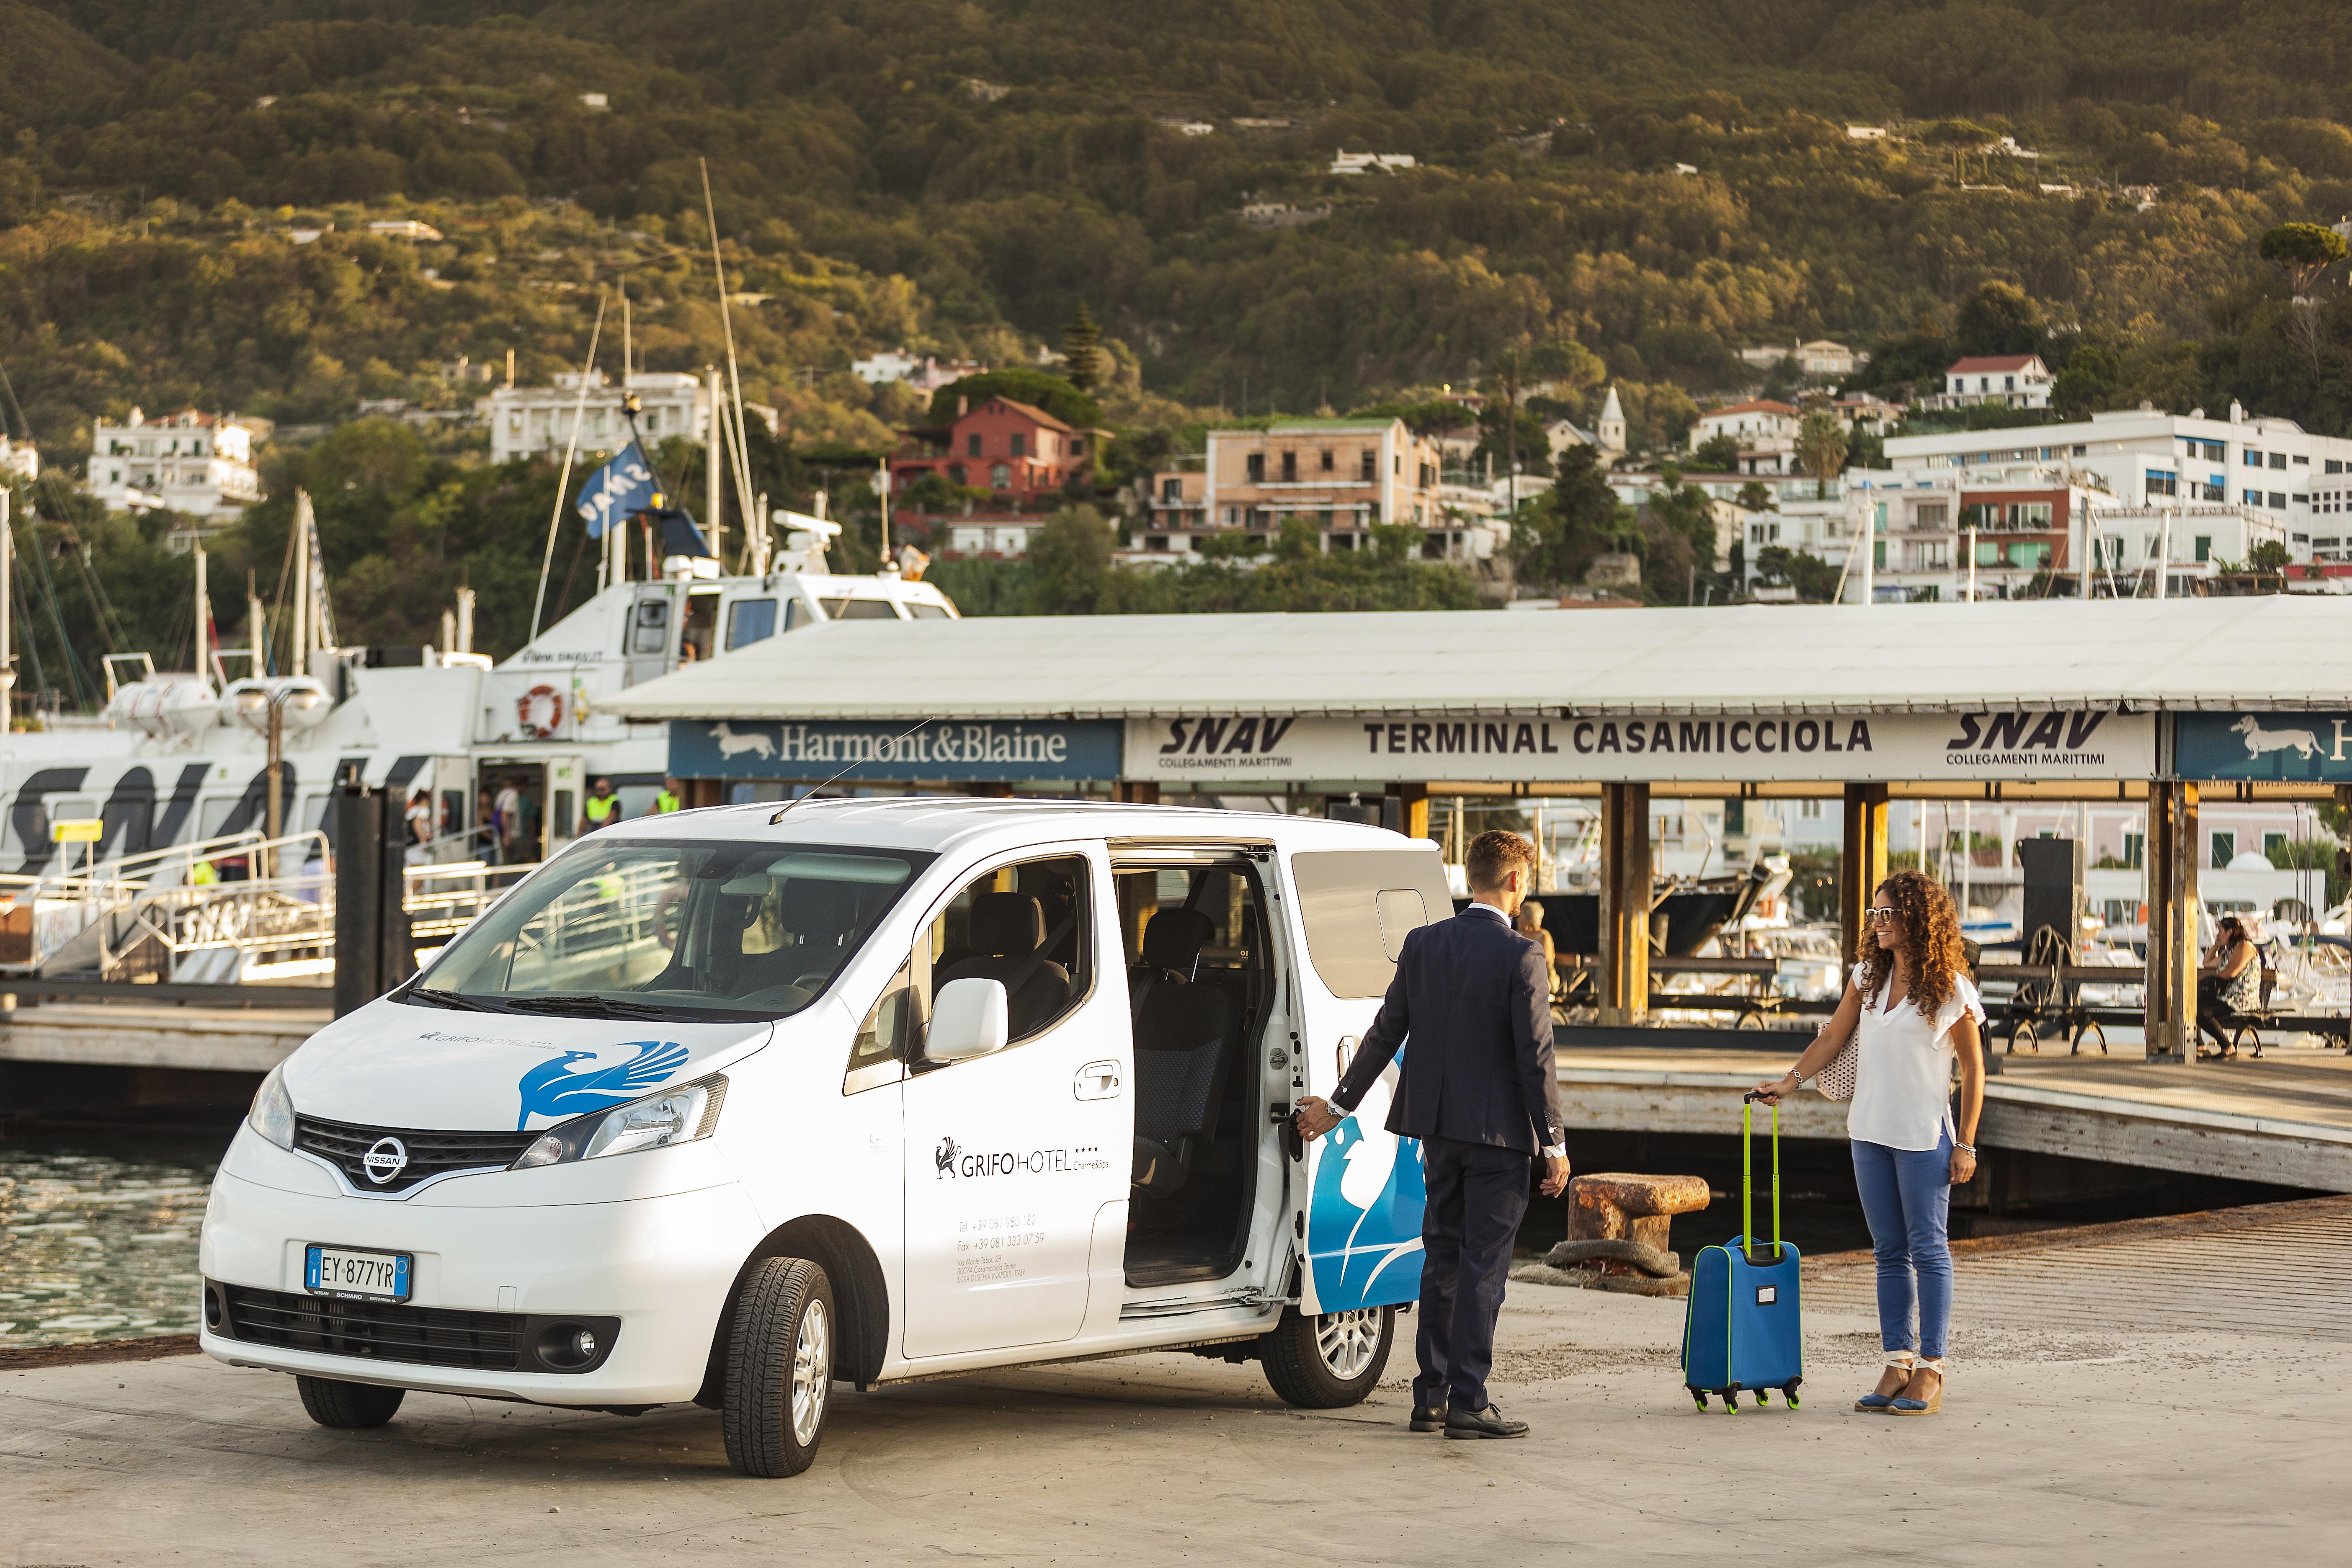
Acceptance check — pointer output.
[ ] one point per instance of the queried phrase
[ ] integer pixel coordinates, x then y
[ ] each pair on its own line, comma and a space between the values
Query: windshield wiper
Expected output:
585, 1006
463, 1004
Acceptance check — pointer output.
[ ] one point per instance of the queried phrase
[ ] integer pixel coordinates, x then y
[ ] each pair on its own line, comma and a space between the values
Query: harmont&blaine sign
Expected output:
1697, 748
953, 751
2313, 748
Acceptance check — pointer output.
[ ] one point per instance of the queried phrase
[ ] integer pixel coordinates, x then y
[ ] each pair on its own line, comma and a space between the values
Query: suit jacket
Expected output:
1472, 994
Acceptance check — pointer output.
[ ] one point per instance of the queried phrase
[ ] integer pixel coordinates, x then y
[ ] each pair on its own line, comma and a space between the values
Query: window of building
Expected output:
2275, 846
1254, 466
2253, 457
2304, 461
2253, 498
2278, 459
1931, 514
2278, 501
1290, 468
1171, 488
2225, 849
1328, 459
2215, 452
2134, 849
971, 445
1017, 444
749, 621
2334, 465
2008, 383
2204, 547
2214, 491
2162, 484
957, 471
1000, 476
1368, 469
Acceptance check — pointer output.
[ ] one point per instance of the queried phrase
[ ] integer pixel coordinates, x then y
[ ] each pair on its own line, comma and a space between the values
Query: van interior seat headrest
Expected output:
1007, 925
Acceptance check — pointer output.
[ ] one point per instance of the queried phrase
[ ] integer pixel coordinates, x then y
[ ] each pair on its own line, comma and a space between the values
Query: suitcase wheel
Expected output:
1790, 1395
1760, 1400
1699, 1394
1730, 1403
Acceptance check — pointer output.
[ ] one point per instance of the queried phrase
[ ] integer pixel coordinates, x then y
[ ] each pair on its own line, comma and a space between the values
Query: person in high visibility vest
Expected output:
600, 807
203, 875
668, 799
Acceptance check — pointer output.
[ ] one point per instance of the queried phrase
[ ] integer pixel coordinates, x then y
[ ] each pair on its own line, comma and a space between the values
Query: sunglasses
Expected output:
1884, 913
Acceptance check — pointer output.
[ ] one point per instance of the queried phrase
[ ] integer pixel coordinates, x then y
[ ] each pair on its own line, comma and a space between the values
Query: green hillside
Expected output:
1620, 189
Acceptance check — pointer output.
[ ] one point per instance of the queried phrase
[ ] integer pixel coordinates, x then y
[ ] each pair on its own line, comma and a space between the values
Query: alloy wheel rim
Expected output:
1348, 1341
811, 1373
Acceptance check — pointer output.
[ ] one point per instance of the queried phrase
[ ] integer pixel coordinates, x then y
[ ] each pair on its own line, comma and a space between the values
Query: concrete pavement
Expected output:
2060, 1443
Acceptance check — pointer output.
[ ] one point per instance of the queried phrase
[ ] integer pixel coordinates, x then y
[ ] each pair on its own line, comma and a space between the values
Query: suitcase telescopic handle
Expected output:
1747, 1178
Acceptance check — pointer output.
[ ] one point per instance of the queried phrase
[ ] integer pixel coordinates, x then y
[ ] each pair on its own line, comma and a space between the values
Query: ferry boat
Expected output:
178, 759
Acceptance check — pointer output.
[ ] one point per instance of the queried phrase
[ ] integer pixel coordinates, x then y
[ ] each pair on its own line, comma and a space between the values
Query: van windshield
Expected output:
697, 931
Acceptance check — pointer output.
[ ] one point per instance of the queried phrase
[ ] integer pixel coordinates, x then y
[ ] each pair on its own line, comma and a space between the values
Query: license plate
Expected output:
366, 1276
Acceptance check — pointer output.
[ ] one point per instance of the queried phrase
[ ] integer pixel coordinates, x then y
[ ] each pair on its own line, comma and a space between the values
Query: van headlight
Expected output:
272, 1115
678, 1115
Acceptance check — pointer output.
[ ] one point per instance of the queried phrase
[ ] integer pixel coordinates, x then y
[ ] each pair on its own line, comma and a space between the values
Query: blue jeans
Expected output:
1906, 1196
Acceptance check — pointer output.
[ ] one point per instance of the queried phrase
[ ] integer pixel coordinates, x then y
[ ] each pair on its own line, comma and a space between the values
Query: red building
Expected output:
1022, 459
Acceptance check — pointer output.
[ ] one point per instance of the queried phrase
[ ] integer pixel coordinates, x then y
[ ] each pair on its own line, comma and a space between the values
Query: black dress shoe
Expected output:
1428, 1419
1487, 1423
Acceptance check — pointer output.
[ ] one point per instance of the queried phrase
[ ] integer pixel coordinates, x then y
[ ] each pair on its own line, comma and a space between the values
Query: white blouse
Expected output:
1903, 1068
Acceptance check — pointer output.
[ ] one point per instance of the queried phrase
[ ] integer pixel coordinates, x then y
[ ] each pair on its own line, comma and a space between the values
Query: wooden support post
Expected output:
992, 789
1412, 802
2170, 1020
1136, 791
1864, 864
1623, 992
705, 792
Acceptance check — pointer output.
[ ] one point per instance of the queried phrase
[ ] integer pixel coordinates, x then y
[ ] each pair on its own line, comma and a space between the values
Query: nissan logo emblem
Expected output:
384, 1161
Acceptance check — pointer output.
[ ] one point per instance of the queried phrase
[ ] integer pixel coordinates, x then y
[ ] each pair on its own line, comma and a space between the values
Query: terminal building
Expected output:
2086, 714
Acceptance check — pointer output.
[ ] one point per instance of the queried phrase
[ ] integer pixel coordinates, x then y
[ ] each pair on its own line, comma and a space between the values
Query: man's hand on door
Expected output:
1315, 1115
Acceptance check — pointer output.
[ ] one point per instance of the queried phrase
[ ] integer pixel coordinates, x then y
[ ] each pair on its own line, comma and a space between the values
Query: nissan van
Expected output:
733, 1105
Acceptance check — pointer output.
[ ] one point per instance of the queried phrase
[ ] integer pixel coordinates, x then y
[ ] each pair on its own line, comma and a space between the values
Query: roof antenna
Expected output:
837, 778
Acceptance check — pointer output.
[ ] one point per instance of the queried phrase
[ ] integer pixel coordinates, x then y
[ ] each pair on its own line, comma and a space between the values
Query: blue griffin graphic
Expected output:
552, 1088
1363, 1221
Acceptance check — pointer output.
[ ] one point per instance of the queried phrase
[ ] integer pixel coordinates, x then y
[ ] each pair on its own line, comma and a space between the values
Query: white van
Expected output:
726, 1105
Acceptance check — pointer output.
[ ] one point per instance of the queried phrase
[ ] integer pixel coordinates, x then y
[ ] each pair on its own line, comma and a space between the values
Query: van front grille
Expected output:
376, 1330
429, 1153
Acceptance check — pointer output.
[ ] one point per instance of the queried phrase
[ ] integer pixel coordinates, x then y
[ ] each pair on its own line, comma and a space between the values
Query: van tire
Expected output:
780, 1360
1321, 1364
353, 1406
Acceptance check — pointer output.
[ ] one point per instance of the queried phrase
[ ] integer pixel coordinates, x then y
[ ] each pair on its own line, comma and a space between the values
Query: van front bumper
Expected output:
486, 1283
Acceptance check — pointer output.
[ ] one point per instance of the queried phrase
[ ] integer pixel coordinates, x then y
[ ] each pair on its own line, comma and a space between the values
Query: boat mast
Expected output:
203, 615
298, 651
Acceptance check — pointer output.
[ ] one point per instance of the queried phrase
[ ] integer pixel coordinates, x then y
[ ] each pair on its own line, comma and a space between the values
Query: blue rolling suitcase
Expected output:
1744, 1329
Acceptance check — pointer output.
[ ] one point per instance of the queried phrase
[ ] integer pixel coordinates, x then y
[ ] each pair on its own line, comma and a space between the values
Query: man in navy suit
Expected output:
1477, 1088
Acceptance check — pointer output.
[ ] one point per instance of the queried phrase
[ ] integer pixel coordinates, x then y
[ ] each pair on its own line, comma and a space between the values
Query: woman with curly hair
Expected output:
1917, 1015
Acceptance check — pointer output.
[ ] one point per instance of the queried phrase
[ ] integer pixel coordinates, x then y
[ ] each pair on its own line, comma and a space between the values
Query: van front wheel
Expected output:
1327, 1362
354, 1407
779, 1368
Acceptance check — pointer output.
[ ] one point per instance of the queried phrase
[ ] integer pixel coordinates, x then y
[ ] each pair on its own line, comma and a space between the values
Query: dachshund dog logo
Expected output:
553, 1088
944, 1157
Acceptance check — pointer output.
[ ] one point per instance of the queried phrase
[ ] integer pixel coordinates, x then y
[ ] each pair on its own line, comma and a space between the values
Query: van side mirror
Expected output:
970, 1018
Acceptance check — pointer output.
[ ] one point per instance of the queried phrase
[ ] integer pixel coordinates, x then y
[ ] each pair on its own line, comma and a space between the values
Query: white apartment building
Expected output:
1765, 429
928, 373
525, 421
186, 462
2199, 490
19, 459
2013, 380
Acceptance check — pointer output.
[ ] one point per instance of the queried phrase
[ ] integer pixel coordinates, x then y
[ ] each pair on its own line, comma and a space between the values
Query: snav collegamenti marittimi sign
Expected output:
1697, 747
952, 750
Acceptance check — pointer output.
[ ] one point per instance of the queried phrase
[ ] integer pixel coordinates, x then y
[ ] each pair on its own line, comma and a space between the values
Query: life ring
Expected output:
530, 702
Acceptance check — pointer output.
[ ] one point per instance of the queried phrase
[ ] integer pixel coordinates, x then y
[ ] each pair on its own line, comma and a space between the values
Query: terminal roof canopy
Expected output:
2265, 652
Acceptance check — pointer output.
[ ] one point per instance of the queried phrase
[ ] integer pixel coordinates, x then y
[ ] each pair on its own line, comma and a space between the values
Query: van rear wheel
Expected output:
779, 1368
1327, 1362
353, 1406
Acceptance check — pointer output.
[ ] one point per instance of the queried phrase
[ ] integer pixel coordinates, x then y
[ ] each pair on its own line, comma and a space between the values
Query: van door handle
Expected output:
1346, 1053
1099, 1081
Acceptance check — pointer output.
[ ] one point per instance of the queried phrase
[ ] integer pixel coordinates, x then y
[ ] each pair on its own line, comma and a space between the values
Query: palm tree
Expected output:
1821, 449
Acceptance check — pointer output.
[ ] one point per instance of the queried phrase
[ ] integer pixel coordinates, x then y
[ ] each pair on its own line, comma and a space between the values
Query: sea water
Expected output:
98, 1235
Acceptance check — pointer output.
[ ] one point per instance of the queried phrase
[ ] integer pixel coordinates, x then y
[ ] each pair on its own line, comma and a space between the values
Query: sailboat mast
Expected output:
713, 450
299, 640
203, 616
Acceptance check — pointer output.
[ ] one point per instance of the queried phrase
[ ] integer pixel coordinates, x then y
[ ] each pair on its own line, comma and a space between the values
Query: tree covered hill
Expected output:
959, 175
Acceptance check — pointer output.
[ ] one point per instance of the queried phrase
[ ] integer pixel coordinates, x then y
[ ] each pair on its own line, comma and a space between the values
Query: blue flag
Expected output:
621, 488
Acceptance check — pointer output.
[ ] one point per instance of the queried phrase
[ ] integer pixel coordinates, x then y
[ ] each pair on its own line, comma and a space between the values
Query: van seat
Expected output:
1184, 1048
1172, 940
1008, 931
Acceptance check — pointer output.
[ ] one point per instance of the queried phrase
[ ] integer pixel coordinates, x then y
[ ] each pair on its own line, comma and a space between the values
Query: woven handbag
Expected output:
1836, 1080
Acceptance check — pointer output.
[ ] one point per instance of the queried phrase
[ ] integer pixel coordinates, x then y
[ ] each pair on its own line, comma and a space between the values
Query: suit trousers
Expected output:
1477, 1194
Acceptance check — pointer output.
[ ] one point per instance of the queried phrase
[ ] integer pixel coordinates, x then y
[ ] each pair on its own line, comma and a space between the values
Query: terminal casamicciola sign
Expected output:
1992, 745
